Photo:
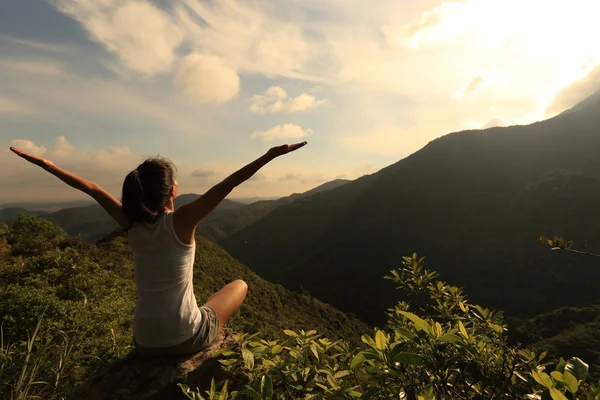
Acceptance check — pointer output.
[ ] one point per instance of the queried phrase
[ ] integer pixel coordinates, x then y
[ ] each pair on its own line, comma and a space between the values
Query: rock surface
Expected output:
154, 378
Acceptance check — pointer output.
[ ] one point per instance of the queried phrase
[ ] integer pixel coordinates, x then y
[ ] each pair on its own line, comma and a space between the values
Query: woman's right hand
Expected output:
284, 149
40, 162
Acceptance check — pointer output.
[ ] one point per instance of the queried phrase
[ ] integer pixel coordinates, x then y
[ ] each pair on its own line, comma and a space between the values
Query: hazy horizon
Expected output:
96, 86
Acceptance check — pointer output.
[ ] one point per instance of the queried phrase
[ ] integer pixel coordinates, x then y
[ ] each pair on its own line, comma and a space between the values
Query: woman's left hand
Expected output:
40, 162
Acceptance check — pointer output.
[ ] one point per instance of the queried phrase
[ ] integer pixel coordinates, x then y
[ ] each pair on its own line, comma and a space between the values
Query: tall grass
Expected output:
36, 370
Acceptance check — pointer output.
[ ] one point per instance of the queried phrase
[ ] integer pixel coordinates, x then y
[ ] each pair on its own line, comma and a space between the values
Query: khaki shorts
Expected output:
207, 332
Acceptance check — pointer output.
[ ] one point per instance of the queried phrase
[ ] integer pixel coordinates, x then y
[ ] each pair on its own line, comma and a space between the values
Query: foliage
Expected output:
437, 346
558, 243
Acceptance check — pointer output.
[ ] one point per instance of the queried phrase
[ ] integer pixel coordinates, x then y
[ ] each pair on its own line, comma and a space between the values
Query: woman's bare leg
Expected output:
227, 300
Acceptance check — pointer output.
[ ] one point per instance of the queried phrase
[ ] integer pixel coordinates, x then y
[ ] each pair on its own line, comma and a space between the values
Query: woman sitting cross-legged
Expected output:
167, 318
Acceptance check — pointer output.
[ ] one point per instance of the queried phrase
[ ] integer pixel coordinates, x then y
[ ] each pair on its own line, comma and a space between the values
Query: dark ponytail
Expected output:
146, 189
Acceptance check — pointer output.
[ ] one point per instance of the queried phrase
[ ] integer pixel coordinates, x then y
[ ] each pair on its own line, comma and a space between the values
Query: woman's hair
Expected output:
147, 189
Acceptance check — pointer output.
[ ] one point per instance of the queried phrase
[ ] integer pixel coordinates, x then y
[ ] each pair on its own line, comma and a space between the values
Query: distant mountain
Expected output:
223, 208
218, 227
474, 203
93, 223
250, 200
9, 215
48, 206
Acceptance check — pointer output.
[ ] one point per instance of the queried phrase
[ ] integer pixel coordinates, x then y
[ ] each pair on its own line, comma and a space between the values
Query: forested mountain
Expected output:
474, 202
220, 226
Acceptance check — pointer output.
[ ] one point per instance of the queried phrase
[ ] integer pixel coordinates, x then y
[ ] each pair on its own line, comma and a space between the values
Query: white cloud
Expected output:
143, 37
28, 146
495, 122
275, 100
206, 78
248, 36
107, 166
287, 131
577, 91
472, 86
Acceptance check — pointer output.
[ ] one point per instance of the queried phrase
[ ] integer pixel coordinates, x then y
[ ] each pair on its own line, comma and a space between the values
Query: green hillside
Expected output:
85, 293
474, 202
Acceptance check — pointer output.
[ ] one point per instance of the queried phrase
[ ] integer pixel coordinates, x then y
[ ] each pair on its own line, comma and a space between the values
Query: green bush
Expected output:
436, 346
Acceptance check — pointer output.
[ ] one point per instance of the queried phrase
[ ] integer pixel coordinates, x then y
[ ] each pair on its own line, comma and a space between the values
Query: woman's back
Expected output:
166, 311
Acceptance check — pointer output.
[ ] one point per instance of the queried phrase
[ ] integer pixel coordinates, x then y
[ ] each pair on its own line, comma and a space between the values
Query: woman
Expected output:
167, 318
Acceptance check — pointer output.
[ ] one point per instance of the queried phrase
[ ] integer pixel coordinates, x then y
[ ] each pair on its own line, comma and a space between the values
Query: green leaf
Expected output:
314, 350
248, 358
557, 376
407, 358
571, 382
450, 338
380, 340
542, 378
463, 330
578, 368
276, 349
290, 333
358, 359
404, 333
332, 381
420, 324
224, 394
557, 394
266, 387
368, 340
252, 393
341, 374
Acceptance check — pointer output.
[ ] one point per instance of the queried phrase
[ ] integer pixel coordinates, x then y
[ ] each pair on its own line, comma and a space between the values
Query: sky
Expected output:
98, 85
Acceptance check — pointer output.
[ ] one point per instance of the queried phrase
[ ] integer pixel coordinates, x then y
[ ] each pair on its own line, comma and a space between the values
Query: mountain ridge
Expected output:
455, 193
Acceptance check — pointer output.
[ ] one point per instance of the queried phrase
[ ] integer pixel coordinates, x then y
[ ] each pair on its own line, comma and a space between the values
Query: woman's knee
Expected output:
241, 285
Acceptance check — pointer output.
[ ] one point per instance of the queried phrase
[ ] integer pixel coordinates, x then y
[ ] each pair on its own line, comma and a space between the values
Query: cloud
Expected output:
206, 78
44, 89
28, 146
290, 176
202, 173
141, 35
287, 131
106, 166
252, 38
495, 122
257, 177
444, 23
472, 86
275, 100
577, 91
48, 68
10, 107
363, 168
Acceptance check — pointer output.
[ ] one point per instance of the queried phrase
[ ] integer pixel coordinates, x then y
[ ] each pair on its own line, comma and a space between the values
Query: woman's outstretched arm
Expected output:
105, 199
189, 215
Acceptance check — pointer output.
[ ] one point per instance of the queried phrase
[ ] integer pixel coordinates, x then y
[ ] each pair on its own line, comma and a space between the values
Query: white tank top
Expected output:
166, 312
